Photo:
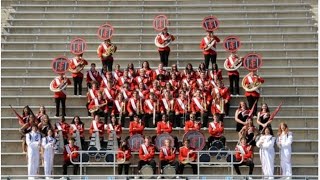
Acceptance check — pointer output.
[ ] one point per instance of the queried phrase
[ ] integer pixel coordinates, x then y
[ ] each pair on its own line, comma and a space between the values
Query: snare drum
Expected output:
169, 170
109, 158
92, 148
135, 141
204, 158
147, 171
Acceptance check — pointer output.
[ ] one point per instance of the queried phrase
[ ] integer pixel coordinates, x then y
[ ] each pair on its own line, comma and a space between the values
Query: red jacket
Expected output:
254, 79
72, 65
164, 127
146, 107
137, 103
116, 128
203, 45
169, 104
56, 82
194, 107
248, 152
66, 155
192, 125
65, 129
95, 102
117, 105
100, 127
178, 107
217, 73
102, 49
149, 156
92, 94
218, 130
93, 76
161, 39
79, 127
168, 155
229, 65
183, 154
136, 128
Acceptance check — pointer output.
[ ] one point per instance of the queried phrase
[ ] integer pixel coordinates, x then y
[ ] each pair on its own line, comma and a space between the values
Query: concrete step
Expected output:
14, 146
267, 61
232, 29
92, 37
179, 44
269, 80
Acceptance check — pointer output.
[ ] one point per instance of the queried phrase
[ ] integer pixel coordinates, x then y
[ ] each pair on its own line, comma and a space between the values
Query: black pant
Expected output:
226, 110
246, 163
234, 84
148, 120
203, 117
194, 168
163, 163
152, 163
209, 58
251, 100
126, 168
108, 63
65, 166
180, 119
77, 82
164, 57
63, 104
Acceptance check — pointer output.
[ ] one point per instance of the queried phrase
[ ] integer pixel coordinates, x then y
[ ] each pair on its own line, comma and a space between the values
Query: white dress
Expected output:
48, 154
267, 154
284, 142
33, 140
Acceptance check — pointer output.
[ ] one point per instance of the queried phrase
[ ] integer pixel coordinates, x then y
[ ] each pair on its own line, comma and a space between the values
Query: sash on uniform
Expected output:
133, 104
116, 102
165, 152
149, 104
199, 81
75, 62
231, 61
213, 125
59, 126
198, 103
157, 71
68, 149
91, 76
74, 126
58, 84
241, 149
124, 94
111, 127
214, 84
144, 148
108, 93
92, 94
181, 103
251, 82
104, 47
95, 126
206, 40
140, 94
185, 81
104, 79
115, 75
165, 104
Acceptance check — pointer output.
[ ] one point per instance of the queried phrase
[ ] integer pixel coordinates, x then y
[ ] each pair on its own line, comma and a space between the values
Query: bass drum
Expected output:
197, 139
147, 171
204, 157
169, 170
135, 141
92, 148
161, 138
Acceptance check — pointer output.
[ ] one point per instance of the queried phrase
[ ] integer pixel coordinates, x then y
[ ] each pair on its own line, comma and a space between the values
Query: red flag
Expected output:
20, 118
275, 112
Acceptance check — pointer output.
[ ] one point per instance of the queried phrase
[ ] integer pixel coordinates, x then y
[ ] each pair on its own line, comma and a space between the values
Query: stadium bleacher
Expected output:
283, 31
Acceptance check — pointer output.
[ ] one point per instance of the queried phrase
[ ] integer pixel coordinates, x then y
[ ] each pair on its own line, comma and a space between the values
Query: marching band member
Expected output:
146, 155
24, 117
244, 156
125, 79
216, 129
251, 80
45, 125
67, 155
168, 156
97, 126
125, 91
92, 94
109, 93
135, 106
192, 124
169, 89
241, 115
48, 144
167, 105
186, 156
263, 118
24, 130
105, 58
77, 76
151, 110
106, 76
181, 110
159, 71
161, 82
117, 73
249, 131
165, 126
77, 125
143, 92
60, 96
42, 112
232, 61
136, 126
132, 72
188, 81
92, 75
99, 106
142, 78
175, 82
174, 70
267, 153
216, 73
189, 70
202, 80
64, 128
147, 69
210, 54
33, 140
199, 108
119, 109
163, 38
154, 88
284, 141
123, 156
225, 96
201, 69
114, 126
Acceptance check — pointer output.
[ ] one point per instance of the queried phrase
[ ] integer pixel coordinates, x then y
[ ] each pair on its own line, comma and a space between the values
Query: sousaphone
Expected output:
252, 86
61, 87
